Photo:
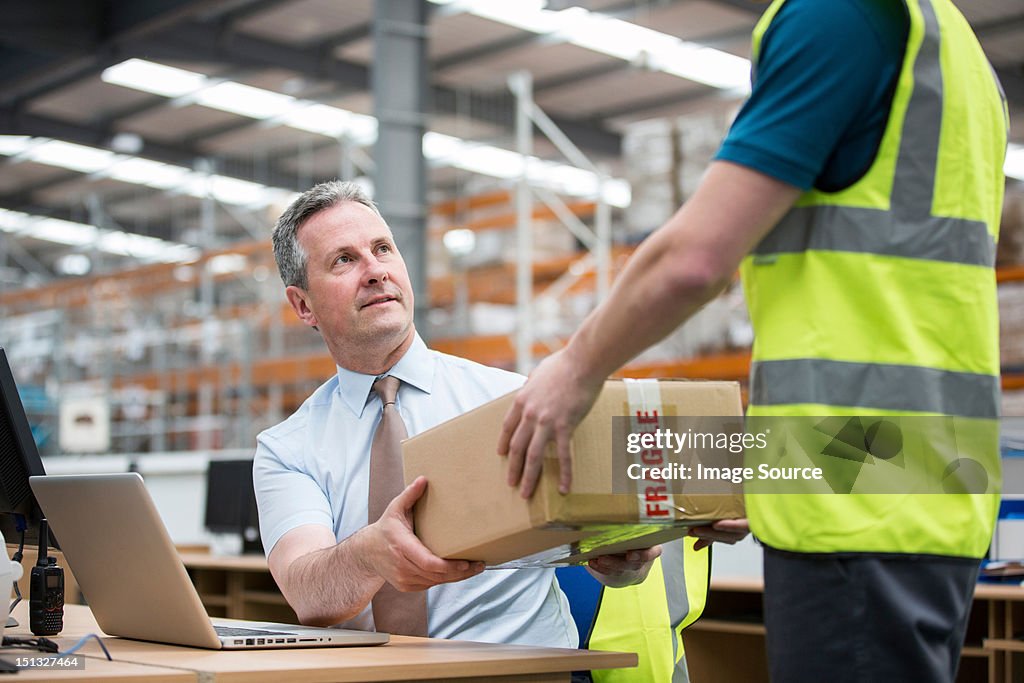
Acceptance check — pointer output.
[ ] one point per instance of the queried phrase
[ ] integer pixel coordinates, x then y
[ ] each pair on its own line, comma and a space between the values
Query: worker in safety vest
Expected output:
859, 193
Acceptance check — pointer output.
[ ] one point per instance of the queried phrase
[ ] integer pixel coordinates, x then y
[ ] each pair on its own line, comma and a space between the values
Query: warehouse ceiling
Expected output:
120, 116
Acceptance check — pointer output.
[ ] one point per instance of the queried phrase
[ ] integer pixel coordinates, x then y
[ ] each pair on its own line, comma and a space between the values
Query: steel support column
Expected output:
399, 80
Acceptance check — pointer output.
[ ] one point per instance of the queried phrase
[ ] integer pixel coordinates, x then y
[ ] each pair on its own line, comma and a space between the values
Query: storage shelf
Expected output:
1004, 644
728, 626
264, 597
211, 600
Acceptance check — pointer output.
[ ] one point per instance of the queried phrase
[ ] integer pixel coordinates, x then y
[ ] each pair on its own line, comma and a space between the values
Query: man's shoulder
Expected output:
300, 419
463, 370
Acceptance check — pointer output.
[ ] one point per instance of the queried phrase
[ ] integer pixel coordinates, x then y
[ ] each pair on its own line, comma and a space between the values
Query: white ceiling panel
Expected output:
697, 19
261, 139
456, 33
173, 124
358, 51
88, 100
542, 59
74, 192
17, 175
594, 96
305, 21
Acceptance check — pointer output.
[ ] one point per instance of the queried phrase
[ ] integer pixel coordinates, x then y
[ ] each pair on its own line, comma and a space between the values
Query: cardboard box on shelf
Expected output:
469, 512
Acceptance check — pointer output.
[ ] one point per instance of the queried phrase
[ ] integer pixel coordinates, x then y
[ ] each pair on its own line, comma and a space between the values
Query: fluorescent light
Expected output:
459, 241
147, 172
317, 118
235, 191
706, 65
71, 156
256, 103
151, 77
47, 229
102, 163
73, 264
227, 263
528, 15
331, 121
617, 38
503, 163
322, 119
81, 235
11, 145
1014, 164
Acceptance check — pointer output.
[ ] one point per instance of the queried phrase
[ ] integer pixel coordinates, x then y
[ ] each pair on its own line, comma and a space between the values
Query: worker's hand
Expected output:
548, 408
400, 558
724, 531
624, 569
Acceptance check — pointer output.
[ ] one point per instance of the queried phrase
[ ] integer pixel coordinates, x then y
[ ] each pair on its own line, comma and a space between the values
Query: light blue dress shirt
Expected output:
313, 468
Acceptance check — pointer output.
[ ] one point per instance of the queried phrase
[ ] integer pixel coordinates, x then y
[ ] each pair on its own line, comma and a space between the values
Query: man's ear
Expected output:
299, 300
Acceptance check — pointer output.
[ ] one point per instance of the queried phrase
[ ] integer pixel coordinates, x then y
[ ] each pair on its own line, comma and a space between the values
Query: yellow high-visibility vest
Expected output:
880, 299
649, 618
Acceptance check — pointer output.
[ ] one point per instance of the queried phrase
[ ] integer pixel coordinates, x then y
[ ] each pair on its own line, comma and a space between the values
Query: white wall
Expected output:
176, 481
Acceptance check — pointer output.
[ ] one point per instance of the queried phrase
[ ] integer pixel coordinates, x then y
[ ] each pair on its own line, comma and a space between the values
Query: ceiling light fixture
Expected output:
75, 234
272, 108
617, 38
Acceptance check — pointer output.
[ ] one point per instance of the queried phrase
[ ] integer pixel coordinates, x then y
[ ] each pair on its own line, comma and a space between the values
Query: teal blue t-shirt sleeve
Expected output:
821, 94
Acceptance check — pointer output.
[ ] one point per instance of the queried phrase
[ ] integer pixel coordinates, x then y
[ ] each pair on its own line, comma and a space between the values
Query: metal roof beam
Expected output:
90, 41
640, 106
486, 51
576, 77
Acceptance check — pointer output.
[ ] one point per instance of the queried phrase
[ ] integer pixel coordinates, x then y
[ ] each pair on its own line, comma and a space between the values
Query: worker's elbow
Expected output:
308, 610
698, 279
310, 617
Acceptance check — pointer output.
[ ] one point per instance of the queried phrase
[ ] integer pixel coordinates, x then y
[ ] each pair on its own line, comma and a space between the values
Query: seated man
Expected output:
339, 537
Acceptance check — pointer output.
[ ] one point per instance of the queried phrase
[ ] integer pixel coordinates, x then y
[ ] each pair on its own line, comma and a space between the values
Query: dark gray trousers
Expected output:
865, 618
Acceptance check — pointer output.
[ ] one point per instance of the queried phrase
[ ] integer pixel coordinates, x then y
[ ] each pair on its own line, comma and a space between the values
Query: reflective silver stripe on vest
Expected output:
873, 231
908, 230
874, 385
914, 182
674, 574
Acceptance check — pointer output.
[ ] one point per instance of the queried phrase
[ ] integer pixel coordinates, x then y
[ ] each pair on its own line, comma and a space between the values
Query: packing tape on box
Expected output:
646, 414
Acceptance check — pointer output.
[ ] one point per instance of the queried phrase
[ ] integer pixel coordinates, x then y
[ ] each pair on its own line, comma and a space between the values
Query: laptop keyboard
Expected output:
233, 631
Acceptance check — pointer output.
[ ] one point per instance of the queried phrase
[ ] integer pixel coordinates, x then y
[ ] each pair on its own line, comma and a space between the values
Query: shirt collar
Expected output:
415, 368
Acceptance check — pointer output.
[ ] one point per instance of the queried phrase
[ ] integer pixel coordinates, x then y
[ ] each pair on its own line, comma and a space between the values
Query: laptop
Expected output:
129, 570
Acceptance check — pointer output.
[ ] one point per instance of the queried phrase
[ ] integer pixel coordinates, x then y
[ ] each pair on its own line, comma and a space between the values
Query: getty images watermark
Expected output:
827, 455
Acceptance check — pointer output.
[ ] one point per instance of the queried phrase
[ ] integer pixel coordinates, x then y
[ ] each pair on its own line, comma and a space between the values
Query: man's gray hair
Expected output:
291, 258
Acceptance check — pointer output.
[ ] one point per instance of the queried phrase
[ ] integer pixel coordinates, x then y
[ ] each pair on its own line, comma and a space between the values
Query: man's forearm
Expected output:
332, 585
680, 267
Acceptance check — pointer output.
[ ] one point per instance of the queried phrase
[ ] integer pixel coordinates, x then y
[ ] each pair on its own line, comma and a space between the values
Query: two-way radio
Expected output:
46, 590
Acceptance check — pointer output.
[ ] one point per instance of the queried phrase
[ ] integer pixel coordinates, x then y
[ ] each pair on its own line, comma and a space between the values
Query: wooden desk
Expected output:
403, 659
727, 642
102, 671
97, 669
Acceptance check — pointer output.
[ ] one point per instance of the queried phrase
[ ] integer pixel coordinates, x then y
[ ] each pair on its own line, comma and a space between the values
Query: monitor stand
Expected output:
12, 622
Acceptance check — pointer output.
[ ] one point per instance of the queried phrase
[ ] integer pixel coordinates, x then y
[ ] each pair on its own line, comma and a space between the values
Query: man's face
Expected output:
359, 290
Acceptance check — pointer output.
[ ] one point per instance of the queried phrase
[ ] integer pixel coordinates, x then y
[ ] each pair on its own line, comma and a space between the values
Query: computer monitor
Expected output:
19, 459
231, 502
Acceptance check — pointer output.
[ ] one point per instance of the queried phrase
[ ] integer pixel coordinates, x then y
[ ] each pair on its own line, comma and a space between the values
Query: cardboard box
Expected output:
469, 512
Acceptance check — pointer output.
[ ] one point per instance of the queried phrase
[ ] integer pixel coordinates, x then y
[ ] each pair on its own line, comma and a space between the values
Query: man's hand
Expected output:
400, 558
548, 408
624, 569
724, 531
